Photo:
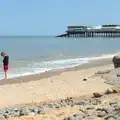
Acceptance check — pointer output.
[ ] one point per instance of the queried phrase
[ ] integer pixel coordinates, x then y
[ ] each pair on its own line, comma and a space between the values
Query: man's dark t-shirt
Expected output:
6, 60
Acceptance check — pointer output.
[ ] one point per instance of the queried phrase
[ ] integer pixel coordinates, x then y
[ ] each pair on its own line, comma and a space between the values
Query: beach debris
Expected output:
97, 95
85, 79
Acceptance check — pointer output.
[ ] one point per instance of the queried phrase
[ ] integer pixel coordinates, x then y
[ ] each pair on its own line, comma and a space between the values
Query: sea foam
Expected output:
41, 67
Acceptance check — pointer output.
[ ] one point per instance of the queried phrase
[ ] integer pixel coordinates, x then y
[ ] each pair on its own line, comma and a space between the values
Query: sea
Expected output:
30, 55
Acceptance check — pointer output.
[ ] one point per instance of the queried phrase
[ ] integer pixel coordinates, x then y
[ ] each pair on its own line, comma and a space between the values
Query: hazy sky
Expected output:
51, 17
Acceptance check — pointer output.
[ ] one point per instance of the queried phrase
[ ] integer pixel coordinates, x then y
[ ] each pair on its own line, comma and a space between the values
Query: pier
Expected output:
110, 30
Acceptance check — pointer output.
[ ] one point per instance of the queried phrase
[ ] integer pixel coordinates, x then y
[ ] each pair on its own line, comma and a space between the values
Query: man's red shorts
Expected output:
5, 68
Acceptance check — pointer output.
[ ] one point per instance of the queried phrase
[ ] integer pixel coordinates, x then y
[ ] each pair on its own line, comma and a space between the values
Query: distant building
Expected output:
110, 27
77, 28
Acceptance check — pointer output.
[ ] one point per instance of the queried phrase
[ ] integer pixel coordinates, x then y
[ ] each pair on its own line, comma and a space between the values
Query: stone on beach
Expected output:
116, 60
97, 95
108, 91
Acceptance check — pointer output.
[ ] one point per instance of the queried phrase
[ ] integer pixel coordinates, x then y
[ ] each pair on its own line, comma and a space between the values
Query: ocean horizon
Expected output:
37, 54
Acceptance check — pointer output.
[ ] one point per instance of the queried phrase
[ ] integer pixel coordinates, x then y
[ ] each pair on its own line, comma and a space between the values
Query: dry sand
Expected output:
59, 86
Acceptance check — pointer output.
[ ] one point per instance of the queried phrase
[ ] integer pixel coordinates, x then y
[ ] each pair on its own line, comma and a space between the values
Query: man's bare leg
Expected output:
5, 74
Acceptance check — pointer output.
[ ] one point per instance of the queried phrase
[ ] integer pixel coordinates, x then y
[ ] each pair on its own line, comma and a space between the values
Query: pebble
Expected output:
71, 118
117, 107
57, 105
80, 102
35, 110
108, 110
97, 95
79, 114
101, 113
88, 105
90, 108
24, 111
110, 117
108, 91
113, 102
115, 91
51, 105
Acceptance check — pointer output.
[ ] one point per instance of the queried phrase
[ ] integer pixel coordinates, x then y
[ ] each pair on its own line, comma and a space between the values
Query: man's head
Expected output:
3, 54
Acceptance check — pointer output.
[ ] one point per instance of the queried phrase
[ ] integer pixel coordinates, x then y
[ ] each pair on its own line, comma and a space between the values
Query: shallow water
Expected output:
34, 54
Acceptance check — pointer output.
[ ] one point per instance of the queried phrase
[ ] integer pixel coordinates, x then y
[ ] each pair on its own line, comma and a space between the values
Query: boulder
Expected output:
116, 61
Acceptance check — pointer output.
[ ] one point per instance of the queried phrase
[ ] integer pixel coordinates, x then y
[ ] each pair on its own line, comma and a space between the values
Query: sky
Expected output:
51, 17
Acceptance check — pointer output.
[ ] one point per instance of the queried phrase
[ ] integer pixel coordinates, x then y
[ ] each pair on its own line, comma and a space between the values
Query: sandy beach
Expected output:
53, 88
60, 86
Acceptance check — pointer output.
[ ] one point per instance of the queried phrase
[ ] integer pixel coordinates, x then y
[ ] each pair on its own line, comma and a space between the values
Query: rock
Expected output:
94, 102
108, 110
117, 115
15, 114
70, 118
110, 117
90, 108
79, 114
94, 114
6, 115
24, 111
115, 91
89, 113
116, 61
57, 105
101, 113
108, 91
51, 105
35, 110
80, 102
63, 103
117, 107
113, 102
97, 95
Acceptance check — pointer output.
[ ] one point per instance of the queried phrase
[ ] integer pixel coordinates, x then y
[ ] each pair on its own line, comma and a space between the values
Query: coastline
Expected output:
47, 74
41, 90
54, 85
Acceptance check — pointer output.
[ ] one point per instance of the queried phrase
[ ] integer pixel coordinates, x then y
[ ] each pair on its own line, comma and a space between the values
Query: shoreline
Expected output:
54, 86
47, 74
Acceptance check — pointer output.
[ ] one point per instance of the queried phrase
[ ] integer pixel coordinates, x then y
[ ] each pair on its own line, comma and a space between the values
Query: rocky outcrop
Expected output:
111, 77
